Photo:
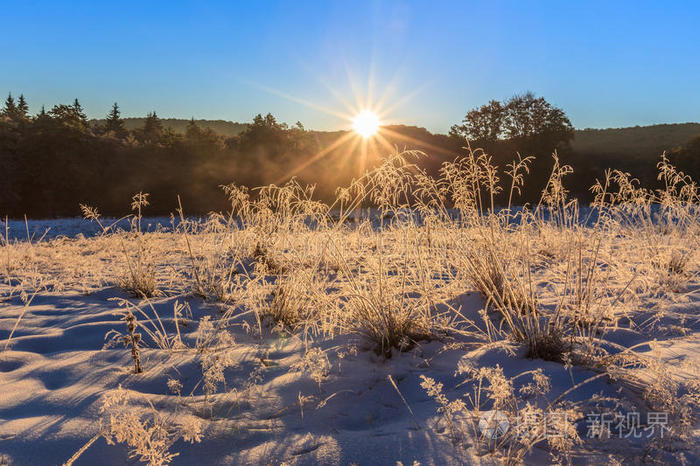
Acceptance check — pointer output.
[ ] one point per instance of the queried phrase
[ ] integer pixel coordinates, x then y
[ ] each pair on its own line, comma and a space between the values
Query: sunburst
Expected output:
366, 120
366, 123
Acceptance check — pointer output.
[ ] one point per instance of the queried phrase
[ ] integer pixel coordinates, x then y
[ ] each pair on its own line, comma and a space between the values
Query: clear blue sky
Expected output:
607, 63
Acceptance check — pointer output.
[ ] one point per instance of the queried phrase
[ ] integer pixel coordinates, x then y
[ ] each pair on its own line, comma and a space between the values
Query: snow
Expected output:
17, 230
363, 408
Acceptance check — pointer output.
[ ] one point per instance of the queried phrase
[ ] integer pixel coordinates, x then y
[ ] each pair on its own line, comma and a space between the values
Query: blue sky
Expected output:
607, 64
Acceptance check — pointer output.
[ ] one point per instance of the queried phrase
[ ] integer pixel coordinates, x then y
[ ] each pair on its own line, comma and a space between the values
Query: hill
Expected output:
179, 125
637, 142
77, 165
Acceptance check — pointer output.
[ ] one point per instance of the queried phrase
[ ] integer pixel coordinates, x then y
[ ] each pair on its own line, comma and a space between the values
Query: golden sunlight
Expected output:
366, 123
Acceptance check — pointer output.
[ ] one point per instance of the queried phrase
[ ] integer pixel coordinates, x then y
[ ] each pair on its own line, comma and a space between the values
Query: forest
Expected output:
57, 159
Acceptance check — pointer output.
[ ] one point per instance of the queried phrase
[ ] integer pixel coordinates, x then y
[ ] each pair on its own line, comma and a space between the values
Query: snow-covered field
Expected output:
267, 341
40, 230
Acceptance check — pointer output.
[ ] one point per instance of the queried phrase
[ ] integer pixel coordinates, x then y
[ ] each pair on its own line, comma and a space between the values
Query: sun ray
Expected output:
337, 94
383, 142
374, 150
379, 103
369, 98
337, 143
299, 100
366, 113
345, 158
363, 155
356, 91
416, 141
408, 96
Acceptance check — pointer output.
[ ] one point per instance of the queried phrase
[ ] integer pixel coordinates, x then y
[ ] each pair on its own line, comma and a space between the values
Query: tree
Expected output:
523, 124
524, 119
70, 116
10, 108
264, 135
484, 124
114, 124
42, 120
152, 130
203, 140
530, 117
22, 108
271, 122
78, 110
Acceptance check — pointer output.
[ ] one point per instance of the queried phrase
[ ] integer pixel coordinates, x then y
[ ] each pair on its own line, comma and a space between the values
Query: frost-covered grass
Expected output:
288, 330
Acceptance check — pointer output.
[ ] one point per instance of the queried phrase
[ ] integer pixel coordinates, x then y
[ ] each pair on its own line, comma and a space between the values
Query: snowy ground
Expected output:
55, 374
56, 371
35, 230
273, 339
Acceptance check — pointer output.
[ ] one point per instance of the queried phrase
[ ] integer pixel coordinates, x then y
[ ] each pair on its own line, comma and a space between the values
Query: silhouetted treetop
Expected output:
114, 125
264, 133
70, 116
152, 131
22, 108
521, 117
202, 139
15, 111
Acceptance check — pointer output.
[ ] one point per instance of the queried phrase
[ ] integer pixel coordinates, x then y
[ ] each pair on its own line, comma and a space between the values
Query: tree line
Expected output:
56, 159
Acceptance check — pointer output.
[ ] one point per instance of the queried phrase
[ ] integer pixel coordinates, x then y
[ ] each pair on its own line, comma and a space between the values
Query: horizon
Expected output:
313, 62
387, 124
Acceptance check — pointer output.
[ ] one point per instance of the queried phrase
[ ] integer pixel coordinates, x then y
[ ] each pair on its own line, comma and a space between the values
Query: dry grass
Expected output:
552, 278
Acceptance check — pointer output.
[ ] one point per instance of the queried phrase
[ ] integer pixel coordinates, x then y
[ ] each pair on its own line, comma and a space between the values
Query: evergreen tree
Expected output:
70, 116
204, 140
114, 124
78, 109
42, 119
152, 130
22, 108
271, 121
10, 109
193, 131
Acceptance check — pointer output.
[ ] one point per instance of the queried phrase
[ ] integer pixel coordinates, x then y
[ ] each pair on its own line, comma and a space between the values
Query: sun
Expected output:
365, 115
366, 123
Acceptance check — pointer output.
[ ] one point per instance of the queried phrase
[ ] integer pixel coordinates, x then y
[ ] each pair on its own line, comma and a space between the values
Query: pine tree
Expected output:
152, 130
10, 109
114, 123
70, 116
78, 112
193, 130
42, 119
22, 108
